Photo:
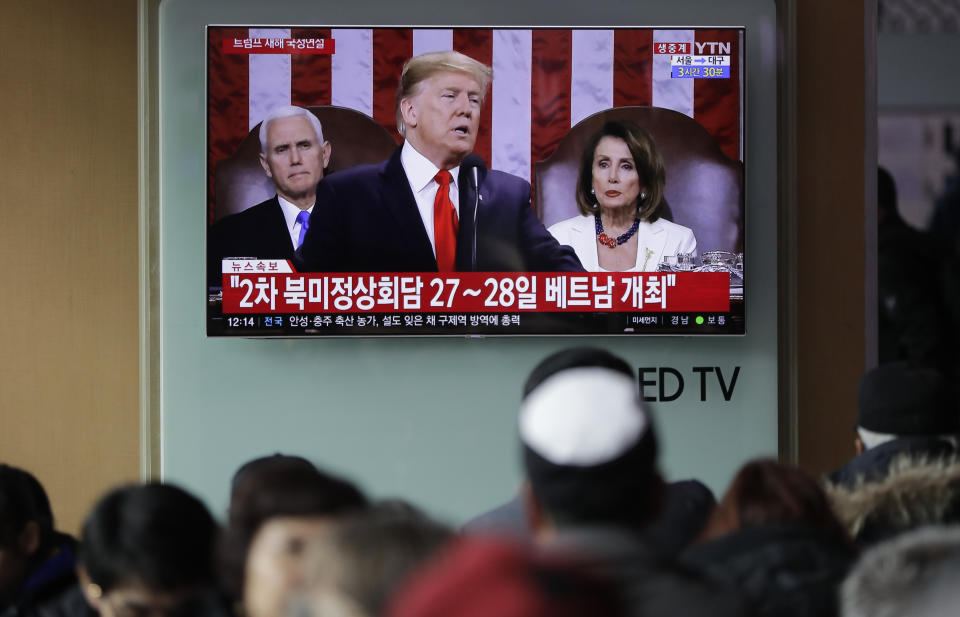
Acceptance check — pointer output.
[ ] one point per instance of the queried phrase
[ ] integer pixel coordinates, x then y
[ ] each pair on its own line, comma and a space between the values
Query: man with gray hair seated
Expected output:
293, 154
913, 575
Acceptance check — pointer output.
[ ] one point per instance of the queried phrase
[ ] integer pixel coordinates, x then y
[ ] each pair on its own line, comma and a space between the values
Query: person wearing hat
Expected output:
906, 474
903, 411
589, 452
686, 503
509, 519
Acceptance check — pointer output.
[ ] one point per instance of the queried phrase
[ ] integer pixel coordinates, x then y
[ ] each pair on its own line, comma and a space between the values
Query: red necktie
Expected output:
445, 224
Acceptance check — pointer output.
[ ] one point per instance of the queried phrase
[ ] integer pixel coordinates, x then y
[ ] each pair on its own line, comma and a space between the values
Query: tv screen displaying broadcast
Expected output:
474, 181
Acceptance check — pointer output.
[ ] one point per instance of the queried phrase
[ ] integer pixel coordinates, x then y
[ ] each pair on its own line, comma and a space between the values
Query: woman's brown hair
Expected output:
646, 159
766, 492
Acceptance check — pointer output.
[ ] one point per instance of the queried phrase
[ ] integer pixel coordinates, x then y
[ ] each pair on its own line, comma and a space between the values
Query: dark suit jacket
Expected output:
366, 220
259, 231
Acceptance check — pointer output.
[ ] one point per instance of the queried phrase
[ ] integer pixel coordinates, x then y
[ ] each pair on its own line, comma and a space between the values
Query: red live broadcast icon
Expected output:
699, 48
672, 48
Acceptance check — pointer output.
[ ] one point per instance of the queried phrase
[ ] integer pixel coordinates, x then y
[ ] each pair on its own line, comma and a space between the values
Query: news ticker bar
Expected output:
285, 292
466, 323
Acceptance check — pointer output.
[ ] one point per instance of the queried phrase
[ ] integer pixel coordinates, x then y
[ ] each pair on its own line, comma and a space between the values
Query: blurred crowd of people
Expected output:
595, 529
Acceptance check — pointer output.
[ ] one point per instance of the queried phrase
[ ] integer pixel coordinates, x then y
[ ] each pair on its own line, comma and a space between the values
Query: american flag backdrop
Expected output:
545, 81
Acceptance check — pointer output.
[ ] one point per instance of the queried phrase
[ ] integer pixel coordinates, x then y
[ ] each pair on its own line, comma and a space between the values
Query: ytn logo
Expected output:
714, 48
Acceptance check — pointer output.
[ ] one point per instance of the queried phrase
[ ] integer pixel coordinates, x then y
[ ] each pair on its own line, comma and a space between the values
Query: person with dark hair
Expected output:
279, 507
687, 503
245, 480
358, 567
619, 196
904, 411
906, 473
912, 323
574, 357
589, 452
36, 561
944, 229
510, 519
149, 550
775, 537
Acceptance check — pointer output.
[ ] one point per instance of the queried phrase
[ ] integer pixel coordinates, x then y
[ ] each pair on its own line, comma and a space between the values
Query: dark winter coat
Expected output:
874, 463
785, 571
48, 584
916, 491
650, 585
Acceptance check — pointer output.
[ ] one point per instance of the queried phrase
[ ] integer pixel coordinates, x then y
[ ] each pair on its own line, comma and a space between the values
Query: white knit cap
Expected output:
583, 417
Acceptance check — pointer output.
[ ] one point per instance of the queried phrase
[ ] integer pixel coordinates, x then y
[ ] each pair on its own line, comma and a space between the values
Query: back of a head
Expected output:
26, 531
766, 492
904, 577
574, 357
155, 533
247, 479
286, 489
481, 578
687, 507
590, 449
23, 500
292, 489
902, 399
368, 556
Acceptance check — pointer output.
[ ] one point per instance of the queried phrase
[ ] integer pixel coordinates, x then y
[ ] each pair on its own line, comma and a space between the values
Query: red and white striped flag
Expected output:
544, 81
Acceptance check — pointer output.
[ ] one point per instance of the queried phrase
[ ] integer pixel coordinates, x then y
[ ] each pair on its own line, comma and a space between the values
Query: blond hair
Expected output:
421, 68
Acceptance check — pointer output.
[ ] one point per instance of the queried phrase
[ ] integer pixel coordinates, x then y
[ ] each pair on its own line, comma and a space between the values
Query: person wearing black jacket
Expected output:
36, 561
775, 537
905, 411
589, 451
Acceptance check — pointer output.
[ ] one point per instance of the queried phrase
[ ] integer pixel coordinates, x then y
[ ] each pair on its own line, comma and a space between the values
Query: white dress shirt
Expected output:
290, 212
420, 174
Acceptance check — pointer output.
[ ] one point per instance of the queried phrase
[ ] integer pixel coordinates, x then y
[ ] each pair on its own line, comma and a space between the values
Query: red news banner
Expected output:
272, 287
278, 46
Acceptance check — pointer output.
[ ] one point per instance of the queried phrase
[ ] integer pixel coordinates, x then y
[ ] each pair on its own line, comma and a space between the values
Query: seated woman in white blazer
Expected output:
619, 193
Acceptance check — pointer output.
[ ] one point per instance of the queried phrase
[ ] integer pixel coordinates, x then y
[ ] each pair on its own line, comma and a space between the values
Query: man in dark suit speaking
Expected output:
432, 206
293, 155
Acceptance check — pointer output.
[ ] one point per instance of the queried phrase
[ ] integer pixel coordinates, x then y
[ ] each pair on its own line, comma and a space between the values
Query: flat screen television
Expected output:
597, 183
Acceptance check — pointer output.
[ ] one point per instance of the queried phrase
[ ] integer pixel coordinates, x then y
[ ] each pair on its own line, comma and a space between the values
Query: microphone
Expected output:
476, 207
475, 163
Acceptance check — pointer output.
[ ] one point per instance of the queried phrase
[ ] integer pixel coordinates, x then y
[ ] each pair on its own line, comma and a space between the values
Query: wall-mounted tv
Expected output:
378, 181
